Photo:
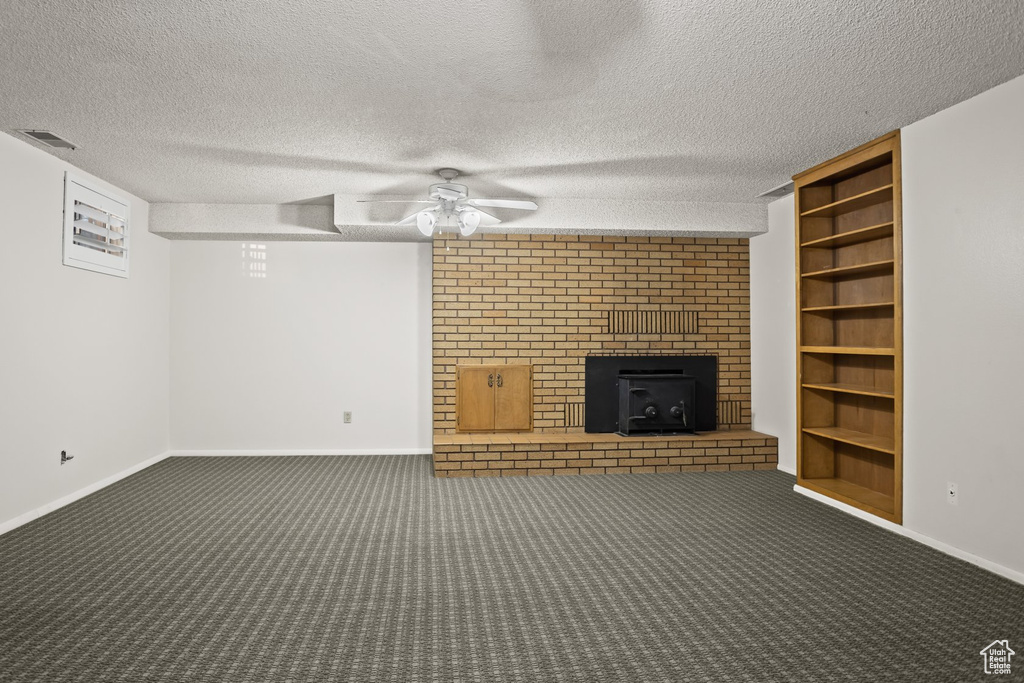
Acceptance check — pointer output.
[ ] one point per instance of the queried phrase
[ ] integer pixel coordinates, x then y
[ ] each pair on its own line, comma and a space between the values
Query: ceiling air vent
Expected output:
48, 139
780, 191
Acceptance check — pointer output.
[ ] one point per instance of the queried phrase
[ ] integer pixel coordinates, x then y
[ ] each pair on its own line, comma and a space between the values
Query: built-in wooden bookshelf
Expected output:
849, 328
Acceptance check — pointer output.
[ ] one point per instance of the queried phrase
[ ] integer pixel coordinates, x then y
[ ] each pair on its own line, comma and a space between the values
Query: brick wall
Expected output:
551, 300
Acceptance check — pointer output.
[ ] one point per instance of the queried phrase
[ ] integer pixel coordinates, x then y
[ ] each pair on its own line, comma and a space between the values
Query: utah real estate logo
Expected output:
997, 657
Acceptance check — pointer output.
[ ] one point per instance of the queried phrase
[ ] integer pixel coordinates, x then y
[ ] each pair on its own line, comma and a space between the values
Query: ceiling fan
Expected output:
449, 199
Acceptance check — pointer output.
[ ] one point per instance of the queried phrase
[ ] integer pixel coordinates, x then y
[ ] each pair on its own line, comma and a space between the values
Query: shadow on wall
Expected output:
424, 341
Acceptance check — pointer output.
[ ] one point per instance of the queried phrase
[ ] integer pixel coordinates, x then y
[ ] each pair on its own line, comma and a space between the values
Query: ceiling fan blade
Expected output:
397, 201
524, 204
487, 219
445, 193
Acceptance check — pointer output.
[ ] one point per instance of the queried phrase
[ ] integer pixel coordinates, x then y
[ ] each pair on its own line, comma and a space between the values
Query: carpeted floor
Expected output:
368, 569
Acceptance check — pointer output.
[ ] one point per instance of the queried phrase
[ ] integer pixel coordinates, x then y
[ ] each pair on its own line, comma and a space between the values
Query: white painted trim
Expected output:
1005, 572
308, 451
787, 470
21, 520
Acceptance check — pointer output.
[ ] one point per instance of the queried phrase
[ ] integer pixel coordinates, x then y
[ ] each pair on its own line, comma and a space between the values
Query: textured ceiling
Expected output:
676, 100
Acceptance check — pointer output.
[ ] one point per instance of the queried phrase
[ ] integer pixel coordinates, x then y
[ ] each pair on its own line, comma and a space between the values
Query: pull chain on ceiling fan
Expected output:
449, 199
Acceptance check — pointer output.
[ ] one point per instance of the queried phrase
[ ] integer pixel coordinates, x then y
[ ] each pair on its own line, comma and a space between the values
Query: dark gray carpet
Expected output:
368, 569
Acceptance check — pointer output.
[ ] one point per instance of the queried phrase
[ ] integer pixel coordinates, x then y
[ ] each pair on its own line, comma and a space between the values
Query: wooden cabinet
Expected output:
494, 398
474, 398
849, 328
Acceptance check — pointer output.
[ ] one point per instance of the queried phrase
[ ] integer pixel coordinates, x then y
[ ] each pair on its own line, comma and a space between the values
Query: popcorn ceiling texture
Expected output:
233, 102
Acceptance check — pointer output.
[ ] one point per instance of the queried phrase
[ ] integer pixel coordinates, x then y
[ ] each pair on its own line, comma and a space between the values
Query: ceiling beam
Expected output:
349, 220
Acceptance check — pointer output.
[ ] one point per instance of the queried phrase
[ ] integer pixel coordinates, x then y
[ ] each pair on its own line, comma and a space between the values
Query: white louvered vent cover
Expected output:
95, 228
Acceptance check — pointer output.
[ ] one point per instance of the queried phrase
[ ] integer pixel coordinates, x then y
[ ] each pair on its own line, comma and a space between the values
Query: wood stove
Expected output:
602, 389
656, 403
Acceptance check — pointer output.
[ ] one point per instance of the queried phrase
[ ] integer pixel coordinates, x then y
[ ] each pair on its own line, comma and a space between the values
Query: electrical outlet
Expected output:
348, 417
952, 494
64, 457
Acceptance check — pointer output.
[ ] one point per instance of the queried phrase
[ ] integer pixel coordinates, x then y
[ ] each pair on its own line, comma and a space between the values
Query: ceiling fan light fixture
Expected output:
425, 221
469, 221
451, 201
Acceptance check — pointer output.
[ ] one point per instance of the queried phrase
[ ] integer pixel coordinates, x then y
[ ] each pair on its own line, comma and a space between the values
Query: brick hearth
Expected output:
509, 455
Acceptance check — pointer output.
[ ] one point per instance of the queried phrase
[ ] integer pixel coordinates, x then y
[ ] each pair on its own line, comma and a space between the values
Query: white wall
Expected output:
773, 331
110, 415
963, 254
963, 243
270, 364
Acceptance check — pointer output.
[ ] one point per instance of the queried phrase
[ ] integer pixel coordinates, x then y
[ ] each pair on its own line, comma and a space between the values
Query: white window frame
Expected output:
87, 249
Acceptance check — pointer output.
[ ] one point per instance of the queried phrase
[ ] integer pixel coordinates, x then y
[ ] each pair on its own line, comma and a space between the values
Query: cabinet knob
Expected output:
499, 379
490, 380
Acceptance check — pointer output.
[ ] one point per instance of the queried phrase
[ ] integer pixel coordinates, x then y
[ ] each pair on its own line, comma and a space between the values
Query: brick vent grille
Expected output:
730, 413
652, 322
574, 414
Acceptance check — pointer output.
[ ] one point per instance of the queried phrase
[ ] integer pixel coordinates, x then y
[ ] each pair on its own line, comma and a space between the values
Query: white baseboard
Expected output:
1005, 572
787, 470
27, 517
21, 520
308, 451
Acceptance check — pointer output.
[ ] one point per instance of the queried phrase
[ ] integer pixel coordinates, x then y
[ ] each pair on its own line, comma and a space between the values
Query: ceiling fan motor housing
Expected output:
448, 191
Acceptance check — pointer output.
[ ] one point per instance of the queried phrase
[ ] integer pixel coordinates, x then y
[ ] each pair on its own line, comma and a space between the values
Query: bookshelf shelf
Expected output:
854, 438
849, 329
872, 197
849, 271
849, 237
849, 350
860, 389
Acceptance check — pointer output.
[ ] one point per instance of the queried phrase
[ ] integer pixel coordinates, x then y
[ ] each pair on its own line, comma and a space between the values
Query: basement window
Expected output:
95, 228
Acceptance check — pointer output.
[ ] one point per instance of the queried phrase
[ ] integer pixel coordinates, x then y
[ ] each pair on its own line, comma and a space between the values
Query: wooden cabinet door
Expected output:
513, 398
474, 398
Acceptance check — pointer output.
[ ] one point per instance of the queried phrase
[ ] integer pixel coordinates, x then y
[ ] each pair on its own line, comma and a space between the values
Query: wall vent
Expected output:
574, 414
730, 413
95, 227
48, 139
652, 322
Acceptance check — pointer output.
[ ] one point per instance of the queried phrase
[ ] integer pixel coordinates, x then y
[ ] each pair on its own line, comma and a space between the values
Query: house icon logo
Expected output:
997, 657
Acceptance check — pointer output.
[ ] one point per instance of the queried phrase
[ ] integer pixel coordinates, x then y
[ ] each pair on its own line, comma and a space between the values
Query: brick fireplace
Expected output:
549, 301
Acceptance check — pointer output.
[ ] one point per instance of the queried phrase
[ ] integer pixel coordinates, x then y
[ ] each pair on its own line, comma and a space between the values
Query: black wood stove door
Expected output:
656, 403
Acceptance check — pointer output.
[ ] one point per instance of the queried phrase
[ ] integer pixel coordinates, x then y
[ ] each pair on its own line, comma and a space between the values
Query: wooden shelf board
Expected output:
854, 494
847, 307
842, 388
848, 350
883, 444
843, 239
844, 271
858, 201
